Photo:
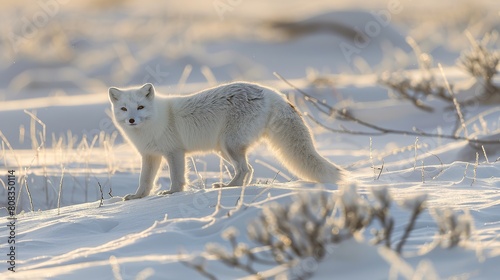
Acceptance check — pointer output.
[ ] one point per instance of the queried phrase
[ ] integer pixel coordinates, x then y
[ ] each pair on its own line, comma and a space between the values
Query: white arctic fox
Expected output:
227, 119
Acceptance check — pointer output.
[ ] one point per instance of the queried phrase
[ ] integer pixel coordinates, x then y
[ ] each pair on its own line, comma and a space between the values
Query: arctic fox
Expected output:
227, 119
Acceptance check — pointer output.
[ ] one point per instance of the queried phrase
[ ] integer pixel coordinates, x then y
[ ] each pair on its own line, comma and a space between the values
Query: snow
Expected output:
68, 149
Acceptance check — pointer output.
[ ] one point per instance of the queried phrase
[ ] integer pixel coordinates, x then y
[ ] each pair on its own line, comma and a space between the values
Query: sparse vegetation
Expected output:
478, 61
285, 235
419, 89
481, 62
346, 115
54, 178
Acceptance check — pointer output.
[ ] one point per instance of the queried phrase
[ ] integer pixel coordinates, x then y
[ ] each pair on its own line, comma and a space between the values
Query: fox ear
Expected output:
114, 94
148, 90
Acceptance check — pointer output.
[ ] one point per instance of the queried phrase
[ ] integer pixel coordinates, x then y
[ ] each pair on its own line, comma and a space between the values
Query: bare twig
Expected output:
455, 102
423, 172
377, 130
115, 267
201, 269
485, 156
409, 228
200, 177
277, 173
381, 169
415, 157
101, 202
440, 162
60, 192
25, 179
475, 169
371, 156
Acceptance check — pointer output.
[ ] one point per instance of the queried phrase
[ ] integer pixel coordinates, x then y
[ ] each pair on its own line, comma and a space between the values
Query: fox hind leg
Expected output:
237, 156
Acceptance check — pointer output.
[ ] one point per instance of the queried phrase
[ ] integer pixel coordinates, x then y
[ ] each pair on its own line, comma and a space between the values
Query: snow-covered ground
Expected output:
72, 168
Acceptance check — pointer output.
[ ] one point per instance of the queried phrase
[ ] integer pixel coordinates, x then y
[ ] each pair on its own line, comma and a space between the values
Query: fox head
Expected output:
132, 107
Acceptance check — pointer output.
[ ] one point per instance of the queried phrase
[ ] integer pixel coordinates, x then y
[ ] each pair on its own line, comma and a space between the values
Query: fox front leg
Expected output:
150, 166
177, 165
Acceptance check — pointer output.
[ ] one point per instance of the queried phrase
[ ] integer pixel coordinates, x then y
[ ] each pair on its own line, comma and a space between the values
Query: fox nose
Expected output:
131, 121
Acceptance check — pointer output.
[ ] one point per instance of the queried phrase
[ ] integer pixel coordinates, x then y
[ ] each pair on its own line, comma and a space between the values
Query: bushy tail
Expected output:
291, 140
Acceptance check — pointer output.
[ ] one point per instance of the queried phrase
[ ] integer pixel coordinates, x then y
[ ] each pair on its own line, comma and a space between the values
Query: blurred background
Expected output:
72, 47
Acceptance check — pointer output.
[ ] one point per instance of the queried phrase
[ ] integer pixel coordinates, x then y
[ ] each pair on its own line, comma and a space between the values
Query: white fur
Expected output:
227, 119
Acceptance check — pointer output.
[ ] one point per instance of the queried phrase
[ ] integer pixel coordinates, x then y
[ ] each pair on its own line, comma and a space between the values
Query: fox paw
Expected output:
166, 192
219, 185
132, 196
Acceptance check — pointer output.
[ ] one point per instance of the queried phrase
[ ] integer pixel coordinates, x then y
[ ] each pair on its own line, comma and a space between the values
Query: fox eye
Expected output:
123, 109
140, 107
